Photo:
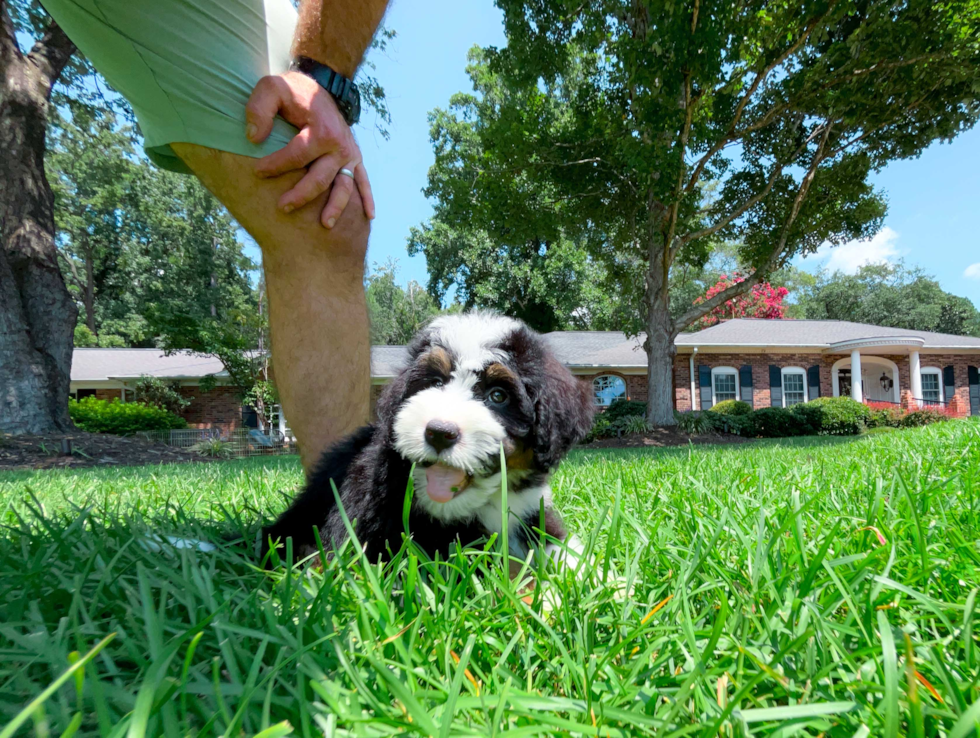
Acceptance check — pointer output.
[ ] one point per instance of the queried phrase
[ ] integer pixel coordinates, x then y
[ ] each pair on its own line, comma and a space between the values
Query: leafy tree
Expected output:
762, 301
893, 295
396, 313
648, 130
166, 395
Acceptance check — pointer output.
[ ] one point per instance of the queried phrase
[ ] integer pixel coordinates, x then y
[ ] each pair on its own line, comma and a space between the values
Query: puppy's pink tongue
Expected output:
442, 482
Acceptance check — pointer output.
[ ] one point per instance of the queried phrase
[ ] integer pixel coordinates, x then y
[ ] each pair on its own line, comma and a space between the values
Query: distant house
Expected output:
763, 362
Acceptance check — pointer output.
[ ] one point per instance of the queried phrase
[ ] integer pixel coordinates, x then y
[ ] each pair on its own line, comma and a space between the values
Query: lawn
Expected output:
807, 587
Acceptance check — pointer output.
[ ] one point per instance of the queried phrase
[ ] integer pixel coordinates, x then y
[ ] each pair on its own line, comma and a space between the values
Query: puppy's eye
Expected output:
438, 382
497, 396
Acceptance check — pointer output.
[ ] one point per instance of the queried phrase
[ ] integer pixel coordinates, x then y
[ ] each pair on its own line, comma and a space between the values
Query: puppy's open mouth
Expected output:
443, 483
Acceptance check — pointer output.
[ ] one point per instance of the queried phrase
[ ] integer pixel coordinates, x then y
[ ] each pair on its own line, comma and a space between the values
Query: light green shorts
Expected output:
186, 66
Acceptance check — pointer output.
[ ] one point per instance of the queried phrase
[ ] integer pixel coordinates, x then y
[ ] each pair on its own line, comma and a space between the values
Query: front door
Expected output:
844, 382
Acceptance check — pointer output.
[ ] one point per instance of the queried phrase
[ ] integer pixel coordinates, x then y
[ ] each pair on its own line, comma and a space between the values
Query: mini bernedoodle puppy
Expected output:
473, 382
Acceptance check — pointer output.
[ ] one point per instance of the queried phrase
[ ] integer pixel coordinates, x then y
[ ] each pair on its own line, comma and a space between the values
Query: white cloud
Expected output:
972, 271
849, 257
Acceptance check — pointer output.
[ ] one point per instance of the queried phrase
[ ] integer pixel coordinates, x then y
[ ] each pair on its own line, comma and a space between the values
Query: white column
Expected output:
856, 392
915, 369
694, 389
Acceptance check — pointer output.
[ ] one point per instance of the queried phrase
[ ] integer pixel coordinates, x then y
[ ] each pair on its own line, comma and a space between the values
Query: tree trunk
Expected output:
660, 342
90, 289
37, 314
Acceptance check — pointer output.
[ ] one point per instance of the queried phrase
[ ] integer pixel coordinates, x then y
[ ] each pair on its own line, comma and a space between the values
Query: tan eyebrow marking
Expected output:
499, 373
437, 359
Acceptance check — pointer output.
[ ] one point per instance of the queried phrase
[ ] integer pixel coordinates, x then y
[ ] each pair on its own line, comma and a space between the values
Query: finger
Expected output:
295, 155
265, 101
364, 187
318, 180
340, 194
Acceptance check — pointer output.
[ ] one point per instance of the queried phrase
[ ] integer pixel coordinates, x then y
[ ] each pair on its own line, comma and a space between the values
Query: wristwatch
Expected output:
343, 90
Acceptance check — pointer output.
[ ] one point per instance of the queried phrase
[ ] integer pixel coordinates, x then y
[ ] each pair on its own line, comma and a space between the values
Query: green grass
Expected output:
734, 591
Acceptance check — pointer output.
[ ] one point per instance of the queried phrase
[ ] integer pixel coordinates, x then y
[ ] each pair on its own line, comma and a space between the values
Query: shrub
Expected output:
154, 391
693, 423
841, 416
601, 428
625, 409
121, 419
775, 422
925, 416
632, 424
809, 418
214, 448
732, 407
885, 415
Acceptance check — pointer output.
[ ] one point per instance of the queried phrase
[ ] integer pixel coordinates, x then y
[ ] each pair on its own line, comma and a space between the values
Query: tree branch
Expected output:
702, 309
9, 50
740, 108
51, 53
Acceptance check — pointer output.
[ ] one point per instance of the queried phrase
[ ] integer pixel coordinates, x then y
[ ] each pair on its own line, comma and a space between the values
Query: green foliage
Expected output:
601, 428
888, 294
886, 416
165, 395
121, 419
841, 416
624, 409
924, 416
84, 338
213, 448
732, 407
694, 423
790, 528
632, 425
396, 313
775, 422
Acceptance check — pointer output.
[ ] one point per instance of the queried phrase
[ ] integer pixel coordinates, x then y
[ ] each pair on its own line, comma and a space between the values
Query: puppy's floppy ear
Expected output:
563, 413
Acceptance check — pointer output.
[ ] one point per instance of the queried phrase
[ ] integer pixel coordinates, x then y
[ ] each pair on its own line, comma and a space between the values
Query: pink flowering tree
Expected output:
762, 301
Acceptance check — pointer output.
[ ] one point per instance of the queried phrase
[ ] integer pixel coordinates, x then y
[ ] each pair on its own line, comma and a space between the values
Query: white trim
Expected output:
846, 362
934, 370
794, 370
875, 342
724, 370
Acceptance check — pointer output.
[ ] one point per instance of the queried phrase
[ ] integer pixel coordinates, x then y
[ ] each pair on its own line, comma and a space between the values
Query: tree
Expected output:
763, 301
893, 295
37, 315
396, 314
648, 130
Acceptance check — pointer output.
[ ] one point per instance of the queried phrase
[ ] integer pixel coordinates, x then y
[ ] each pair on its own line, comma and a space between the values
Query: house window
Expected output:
83, 393
932, 386
794, 386
724, 384
607, 389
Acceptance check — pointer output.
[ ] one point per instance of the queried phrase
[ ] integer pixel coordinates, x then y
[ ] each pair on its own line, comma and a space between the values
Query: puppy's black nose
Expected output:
441, 435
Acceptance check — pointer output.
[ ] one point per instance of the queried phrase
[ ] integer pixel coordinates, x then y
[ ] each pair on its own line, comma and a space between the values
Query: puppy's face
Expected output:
477, 382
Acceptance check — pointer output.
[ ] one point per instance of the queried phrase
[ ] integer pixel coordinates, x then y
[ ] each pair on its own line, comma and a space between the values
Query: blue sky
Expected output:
934, 201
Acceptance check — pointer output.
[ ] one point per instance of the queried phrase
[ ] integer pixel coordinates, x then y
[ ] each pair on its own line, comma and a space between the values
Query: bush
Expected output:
885, 415
732, 407
215, 448
121, 419
809, 418
693, 423
601, 428
632, 424
154, 391
841, 416
925, 416
624, 409
775, 422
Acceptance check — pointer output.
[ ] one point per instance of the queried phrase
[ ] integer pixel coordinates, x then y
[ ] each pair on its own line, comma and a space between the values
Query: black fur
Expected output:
550, 411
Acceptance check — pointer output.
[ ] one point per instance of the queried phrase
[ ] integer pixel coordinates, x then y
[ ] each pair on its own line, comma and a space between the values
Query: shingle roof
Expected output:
810, 333
576, 349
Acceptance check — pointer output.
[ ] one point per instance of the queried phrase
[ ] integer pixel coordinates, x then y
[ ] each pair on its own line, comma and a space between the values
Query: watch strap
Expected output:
343, 90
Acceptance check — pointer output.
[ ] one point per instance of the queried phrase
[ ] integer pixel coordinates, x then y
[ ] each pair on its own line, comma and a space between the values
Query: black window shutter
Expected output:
813, 381
775, 386
949, 382
973, 375
745, 381
704, 379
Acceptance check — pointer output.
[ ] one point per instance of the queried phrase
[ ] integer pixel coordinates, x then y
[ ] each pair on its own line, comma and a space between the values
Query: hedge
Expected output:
624, 409
841, 416
732, 407
121, 419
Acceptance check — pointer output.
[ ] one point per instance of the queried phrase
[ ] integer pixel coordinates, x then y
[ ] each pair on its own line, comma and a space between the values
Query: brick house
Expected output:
763, 362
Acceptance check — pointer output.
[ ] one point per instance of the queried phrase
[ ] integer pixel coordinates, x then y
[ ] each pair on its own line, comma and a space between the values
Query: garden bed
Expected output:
88, 449
664, 437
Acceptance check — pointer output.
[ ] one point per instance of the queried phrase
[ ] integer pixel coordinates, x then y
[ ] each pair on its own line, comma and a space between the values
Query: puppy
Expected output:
473, 382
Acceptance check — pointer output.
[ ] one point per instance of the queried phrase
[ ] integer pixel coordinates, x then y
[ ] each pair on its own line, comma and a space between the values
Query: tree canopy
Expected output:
647, 131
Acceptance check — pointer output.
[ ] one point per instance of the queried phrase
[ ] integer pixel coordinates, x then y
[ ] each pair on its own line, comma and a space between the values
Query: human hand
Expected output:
323, 145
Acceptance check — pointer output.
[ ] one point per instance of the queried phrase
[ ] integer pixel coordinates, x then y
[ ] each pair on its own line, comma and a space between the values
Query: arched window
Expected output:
794, 385
724, 384
932, 384
608, 388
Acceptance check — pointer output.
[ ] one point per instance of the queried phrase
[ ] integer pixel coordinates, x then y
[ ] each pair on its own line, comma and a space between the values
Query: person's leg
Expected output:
315, 281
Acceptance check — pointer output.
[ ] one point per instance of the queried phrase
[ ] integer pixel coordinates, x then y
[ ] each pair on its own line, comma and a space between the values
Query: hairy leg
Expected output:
315, 281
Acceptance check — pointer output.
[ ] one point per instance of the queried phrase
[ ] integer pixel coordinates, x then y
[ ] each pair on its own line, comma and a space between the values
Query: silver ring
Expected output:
346, 172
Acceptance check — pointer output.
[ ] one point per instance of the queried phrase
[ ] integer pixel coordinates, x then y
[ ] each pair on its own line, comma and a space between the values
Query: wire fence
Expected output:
218, 444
